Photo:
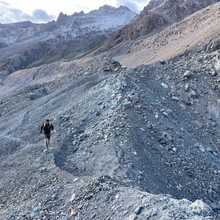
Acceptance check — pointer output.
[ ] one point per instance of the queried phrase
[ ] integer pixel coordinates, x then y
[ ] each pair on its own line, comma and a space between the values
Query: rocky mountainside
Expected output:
129, 143
198, 32
157, 15
25, 44
174, 11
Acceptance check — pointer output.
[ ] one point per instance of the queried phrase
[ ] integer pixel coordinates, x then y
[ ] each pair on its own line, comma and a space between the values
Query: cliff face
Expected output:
142, 26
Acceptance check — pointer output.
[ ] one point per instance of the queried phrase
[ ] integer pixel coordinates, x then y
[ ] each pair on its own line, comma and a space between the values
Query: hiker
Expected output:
46, 128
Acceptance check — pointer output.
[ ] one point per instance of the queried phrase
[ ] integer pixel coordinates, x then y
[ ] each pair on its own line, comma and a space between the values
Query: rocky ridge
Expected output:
174, 11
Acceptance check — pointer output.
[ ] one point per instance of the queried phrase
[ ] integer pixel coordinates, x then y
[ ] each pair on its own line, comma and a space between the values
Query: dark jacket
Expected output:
46, 128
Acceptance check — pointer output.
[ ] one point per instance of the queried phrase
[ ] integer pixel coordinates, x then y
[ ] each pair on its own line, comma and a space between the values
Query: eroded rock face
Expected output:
176, 10
213, 45
142, 26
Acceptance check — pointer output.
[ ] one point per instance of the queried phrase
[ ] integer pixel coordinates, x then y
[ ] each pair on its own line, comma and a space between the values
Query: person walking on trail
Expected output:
46, 128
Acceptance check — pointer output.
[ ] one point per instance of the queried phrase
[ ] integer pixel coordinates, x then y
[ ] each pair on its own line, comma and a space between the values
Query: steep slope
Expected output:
175, 11
123, 140
194, 32
156, 16
25, 44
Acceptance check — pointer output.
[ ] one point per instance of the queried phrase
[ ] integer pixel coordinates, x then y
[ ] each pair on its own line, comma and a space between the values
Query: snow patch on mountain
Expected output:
77, 25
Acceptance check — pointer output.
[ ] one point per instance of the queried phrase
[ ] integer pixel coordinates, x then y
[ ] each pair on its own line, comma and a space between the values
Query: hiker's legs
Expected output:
47, 142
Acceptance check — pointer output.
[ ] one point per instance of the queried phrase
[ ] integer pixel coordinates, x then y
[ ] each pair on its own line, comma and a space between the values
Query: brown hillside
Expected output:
157, 16
192, 32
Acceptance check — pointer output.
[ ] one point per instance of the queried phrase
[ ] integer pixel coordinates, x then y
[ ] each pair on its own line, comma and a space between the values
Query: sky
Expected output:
41, 11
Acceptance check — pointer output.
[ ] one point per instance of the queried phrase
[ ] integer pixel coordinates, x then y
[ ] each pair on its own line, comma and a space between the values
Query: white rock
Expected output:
132, 217
199, 206
187, 74
201, 148
72, 197
165, 86
174, 98
217, 66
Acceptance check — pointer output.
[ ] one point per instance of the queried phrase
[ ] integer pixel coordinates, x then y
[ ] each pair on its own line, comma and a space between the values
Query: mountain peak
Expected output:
111, 10
96, 25
106, 7
153, 4
62, 17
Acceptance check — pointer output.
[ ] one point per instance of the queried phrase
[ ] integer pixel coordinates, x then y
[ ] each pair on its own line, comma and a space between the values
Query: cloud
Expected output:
40, 15
3, 3
10, 12
134, 5
12, 15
